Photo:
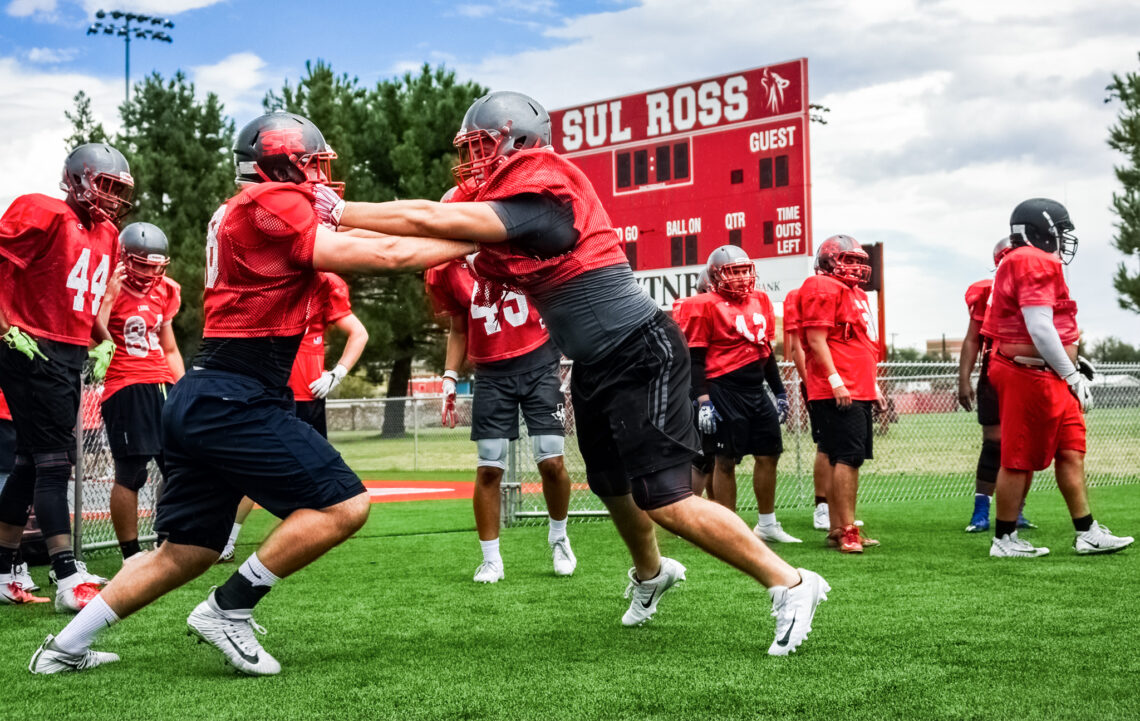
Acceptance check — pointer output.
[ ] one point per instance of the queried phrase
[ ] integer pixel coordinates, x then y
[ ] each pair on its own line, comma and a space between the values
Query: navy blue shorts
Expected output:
226, 436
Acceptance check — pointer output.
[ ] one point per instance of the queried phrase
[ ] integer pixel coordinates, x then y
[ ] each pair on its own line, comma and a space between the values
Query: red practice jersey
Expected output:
735, 333
1028, 276
978, 297
845, 312
53, 271
5, 414
134, 325
542, 171
792, 311
260, 279
332, 305
509, 328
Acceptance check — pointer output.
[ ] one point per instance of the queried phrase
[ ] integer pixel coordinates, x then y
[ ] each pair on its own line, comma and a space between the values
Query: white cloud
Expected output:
240, 81
475, 11
51, 55
24, 8
154, 7
943, 116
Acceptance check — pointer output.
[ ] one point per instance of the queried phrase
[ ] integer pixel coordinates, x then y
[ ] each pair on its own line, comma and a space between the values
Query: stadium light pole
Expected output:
156, 31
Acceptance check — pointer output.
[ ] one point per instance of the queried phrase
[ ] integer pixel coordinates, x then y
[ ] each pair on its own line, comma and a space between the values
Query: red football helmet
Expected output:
284, 148
495, 127
841, 256
732, 274
1002, 249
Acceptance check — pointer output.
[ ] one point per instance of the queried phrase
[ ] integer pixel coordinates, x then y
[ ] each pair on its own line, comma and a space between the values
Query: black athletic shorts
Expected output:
313, 413
227, 435
813, 424
43, 395
133, 419
7, 446
497, 399
987, 398
632, 411
749, 425
845, 435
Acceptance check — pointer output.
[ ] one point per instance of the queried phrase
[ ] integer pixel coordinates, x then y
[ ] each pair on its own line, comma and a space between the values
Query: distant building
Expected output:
949, 348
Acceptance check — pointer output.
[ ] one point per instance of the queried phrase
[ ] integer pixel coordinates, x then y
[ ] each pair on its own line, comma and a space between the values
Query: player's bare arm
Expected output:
357, 334
456, 343
817, 342
971, 344
344, 253
170, 349
426, 218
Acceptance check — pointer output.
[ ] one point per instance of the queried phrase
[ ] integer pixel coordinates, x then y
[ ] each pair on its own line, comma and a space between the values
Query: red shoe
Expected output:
14, 593
849, 541
74, 598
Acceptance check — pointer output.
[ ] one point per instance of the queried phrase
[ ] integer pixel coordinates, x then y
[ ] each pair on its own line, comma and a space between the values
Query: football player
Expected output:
705, 460
821, 467
730, 332
1042, 386
977, 300
542, 231
841, 358
309, 380
516, 367
56, 258
229, 429
138, 311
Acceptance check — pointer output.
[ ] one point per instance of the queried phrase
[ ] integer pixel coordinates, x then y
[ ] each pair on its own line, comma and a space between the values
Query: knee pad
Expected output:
493, 452
19, 490
662, 488
989, 461
130, 472
53, 471
548, 446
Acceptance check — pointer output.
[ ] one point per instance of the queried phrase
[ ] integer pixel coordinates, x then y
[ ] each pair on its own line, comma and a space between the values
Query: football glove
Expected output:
21, 342
322, 386
1085, 366
327, 205
102, 355
782, 407
1080, 387
447, 416
707, 418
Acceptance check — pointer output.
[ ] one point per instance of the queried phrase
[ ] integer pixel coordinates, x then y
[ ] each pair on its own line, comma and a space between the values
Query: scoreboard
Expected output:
685, 169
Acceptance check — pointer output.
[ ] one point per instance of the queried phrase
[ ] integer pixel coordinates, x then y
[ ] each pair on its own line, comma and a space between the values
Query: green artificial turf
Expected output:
390, 626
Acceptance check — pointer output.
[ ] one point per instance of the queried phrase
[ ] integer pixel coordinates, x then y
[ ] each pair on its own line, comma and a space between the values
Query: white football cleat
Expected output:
794, 609
49, 659
232, 633
645, 595
227, 555
821, 518
1010, 546
21, 576
564, 559
12, 593
774, 533
489, 572
81, 567
74, 592
1099, 539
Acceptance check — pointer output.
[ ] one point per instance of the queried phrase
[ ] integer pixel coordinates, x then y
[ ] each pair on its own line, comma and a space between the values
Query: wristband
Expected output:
452, 375
835, 381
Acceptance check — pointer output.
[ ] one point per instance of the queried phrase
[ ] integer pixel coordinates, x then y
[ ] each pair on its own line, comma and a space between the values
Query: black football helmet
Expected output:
731, 272
495, 127
98, 179
842, 257
285, 148
1044, 224
144, 252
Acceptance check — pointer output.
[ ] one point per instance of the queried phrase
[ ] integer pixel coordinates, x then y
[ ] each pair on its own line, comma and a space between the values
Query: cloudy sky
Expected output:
943, 116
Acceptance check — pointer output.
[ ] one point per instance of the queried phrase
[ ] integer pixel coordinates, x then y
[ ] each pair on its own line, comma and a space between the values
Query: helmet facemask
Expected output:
480, 153
105, 196
853, 267
736, 280
144, 271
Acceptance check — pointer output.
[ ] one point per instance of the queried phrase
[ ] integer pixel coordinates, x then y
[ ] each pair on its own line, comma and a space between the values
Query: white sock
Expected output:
557, 530
766, 519
491, 552
256, 573
233, 535
78, 635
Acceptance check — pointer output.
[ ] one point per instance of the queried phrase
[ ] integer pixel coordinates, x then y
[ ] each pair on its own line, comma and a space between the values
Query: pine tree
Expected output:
84, 128
1124, 136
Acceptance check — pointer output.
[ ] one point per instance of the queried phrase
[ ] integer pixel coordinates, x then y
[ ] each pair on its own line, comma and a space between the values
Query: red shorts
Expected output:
1039, 416
306, 368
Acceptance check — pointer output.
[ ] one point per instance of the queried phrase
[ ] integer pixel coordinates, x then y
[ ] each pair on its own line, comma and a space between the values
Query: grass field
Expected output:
390, 626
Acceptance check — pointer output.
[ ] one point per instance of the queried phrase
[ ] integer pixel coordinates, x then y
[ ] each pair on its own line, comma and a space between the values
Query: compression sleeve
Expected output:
700, 381
772, 375
1039, 323
538, 224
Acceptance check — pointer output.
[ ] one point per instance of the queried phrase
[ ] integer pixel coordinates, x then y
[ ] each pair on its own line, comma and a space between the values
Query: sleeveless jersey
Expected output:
852, 337
134, 325
1028, 276
735, 333
332, 304
54, 271
542, 171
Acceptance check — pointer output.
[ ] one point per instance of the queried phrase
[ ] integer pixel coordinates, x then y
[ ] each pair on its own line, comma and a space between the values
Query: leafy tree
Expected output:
179, 149
1114, 350
84, 128
905, 354
1124, 136
393, 141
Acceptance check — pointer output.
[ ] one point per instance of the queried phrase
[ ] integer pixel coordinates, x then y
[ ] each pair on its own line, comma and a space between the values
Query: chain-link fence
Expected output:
925, 447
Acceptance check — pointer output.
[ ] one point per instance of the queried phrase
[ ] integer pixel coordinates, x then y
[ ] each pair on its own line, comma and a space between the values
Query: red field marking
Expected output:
537, 487
392, 491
